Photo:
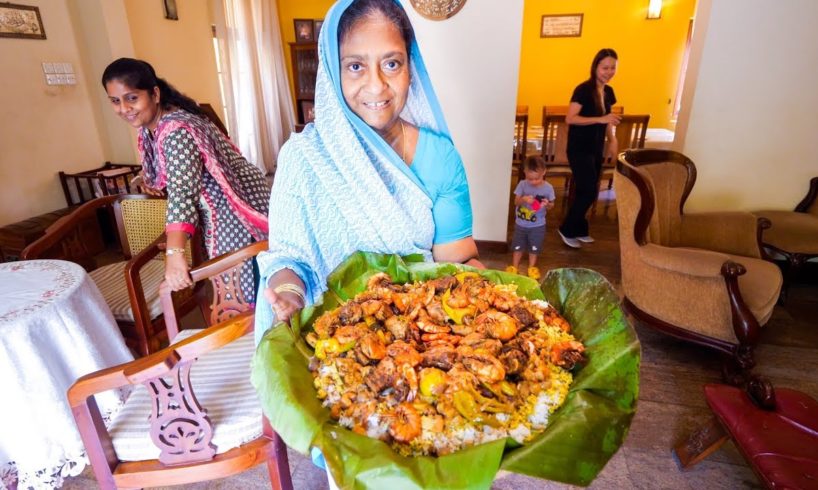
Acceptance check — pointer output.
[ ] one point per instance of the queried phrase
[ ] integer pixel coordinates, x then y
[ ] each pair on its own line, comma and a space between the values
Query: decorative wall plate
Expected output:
438, 9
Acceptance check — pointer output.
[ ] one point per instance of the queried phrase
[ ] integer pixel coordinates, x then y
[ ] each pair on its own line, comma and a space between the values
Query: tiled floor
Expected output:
671, 403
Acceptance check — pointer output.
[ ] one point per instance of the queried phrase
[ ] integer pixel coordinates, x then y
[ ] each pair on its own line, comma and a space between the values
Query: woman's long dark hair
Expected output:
601, 55
140, 75
389, 8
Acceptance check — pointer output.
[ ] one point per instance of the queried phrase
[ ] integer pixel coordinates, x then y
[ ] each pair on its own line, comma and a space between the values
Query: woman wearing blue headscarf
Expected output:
376, 172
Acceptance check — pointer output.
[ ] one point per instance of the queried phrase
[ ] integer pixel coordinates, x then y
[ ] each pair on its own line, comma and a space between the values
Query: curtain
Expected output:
257, 92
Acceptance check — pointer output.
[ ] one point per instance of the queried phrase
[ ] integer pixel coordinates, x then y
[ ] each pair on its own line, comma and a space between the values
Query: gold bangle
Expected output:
291, 288
173, 251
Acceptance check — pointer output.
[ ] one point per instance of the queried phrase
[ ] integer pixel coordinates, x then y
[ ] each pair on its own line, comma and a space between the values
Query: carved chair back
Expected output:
174, 405
226, 296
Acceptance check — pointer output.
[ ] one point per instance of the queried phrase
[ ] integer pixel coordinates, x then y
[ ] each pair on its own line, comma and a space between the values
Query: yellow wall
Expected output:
181, 51
650, 54
297, 9
43, 129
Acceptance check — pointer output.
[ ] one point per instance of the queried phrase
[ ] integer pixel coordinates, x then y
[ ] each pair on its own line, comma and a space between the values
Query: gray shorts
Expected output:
530, 239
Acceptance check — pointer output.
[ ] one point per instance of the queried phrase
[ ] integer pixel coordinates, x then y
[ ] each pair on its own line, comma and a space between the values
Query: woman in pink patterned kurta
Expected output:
208, 183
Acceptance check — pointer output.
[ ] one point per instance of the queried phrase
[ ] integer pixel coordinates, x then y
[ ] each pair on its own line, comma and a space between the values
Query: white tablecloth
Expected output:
54, 328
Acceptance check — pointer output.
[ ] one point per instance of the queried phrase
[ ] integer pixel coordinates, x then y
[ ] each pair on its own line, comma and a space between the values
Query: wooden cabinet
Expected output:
305, 68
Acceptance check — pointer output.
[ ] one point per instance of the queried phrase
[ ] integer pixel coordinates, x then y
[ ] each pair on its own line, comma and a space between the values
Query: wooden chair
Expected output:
522, 109
561, 110
554, 149
520, 142
107, 180
630, 134
699, 277
130, 286
224, 429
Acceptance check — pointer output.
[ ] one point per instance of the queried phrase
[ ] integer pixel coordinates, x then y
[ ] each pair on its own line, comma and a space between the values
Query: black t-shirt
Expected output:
590, 138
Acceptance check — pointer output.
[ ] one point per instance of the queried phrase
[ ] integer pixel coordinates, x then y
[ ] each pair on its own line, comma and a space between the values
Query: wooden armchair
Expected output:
793, 234
223, 428
124, 283
699, 277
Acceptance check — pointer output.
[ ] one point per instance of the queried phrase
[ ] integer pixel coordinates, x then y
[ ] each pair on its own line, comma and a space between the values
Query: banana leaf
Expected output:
581, 437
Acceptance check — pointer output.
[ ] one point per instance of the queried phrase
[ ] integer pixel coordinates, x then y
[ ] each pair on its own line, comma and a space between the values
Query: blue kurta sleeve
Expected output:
439, 167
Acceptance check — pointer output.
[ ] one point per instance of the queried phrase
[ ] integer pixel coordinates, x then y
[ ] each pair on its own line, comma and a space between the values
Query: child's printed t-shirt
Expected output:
532, 215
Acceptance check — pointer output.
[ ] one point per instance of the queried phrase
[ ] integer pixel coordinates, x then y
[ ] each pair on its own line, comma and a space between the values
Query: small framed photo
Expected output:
563, 25
308, 111
21, 21
317, 23
170, 9
304, 31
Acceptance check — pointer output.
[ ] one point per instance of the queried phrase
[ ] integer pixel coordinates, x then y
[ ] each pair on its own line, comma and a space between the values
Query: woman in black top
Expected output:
589, 118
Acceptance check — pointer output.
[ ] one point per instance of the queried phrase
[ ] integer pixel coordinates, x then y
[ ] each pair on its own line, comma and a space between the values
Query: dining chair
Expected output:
129, 285
630, 135
520, 139
192, 414
554, 149
522, 109
563, 110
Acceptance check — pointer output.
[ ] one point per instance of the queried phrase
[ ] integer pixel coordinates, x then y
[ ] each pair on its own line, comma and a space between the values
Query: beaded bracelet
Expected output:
291, 288
173, 251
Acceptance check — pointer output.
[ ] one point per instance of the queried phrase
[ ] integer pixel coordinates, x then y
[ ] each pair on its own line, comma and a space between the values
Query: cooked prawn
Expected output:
405, 423
403, 353
487, 368
497, 325
372, 346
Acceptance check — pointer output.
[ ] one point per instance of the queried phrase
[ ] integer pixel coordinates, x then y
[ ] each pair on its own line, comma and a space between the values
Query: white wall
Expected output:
103, 35
43, 129
750, 118
473, 59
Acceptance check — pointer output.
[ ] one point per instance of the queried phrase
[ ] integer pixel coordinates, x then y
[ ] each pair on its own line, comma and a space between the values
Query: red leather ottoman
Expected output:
779, 443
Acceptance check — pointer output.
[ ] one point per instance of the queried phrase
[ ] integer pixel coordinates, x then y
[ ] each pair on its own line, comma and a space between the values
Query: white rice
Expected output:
542, 409
520, 433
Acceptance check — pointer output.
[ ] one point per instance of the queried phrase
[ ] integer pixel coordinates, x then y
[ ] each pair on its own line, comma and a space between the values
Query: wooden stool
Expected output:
778, 436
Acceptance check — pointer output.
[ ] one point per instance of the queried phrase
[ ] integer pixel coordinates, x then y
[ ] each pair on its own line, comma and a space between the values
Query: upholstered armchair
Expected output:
697, 276
793, 234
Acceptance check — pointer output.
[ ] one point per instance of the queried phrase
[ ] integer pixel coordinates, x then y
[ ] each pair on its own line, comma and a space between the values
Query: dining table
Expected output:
54, 328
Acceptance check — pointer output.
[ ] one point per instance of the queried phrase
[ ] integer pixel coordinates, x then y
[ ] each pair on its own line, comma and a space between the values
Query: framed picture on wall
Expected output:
562, 25
304, 30
21, 21
170, 9
317, 23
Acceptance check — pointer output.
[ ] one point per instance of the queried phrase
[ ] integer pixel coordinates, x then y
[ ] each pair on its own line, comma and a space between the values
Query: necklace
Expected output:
403, 137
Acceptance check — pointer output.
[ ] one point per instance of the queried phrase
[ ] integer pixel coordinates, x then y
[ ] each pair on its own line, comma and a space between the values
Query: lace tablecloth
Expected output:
54, 328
